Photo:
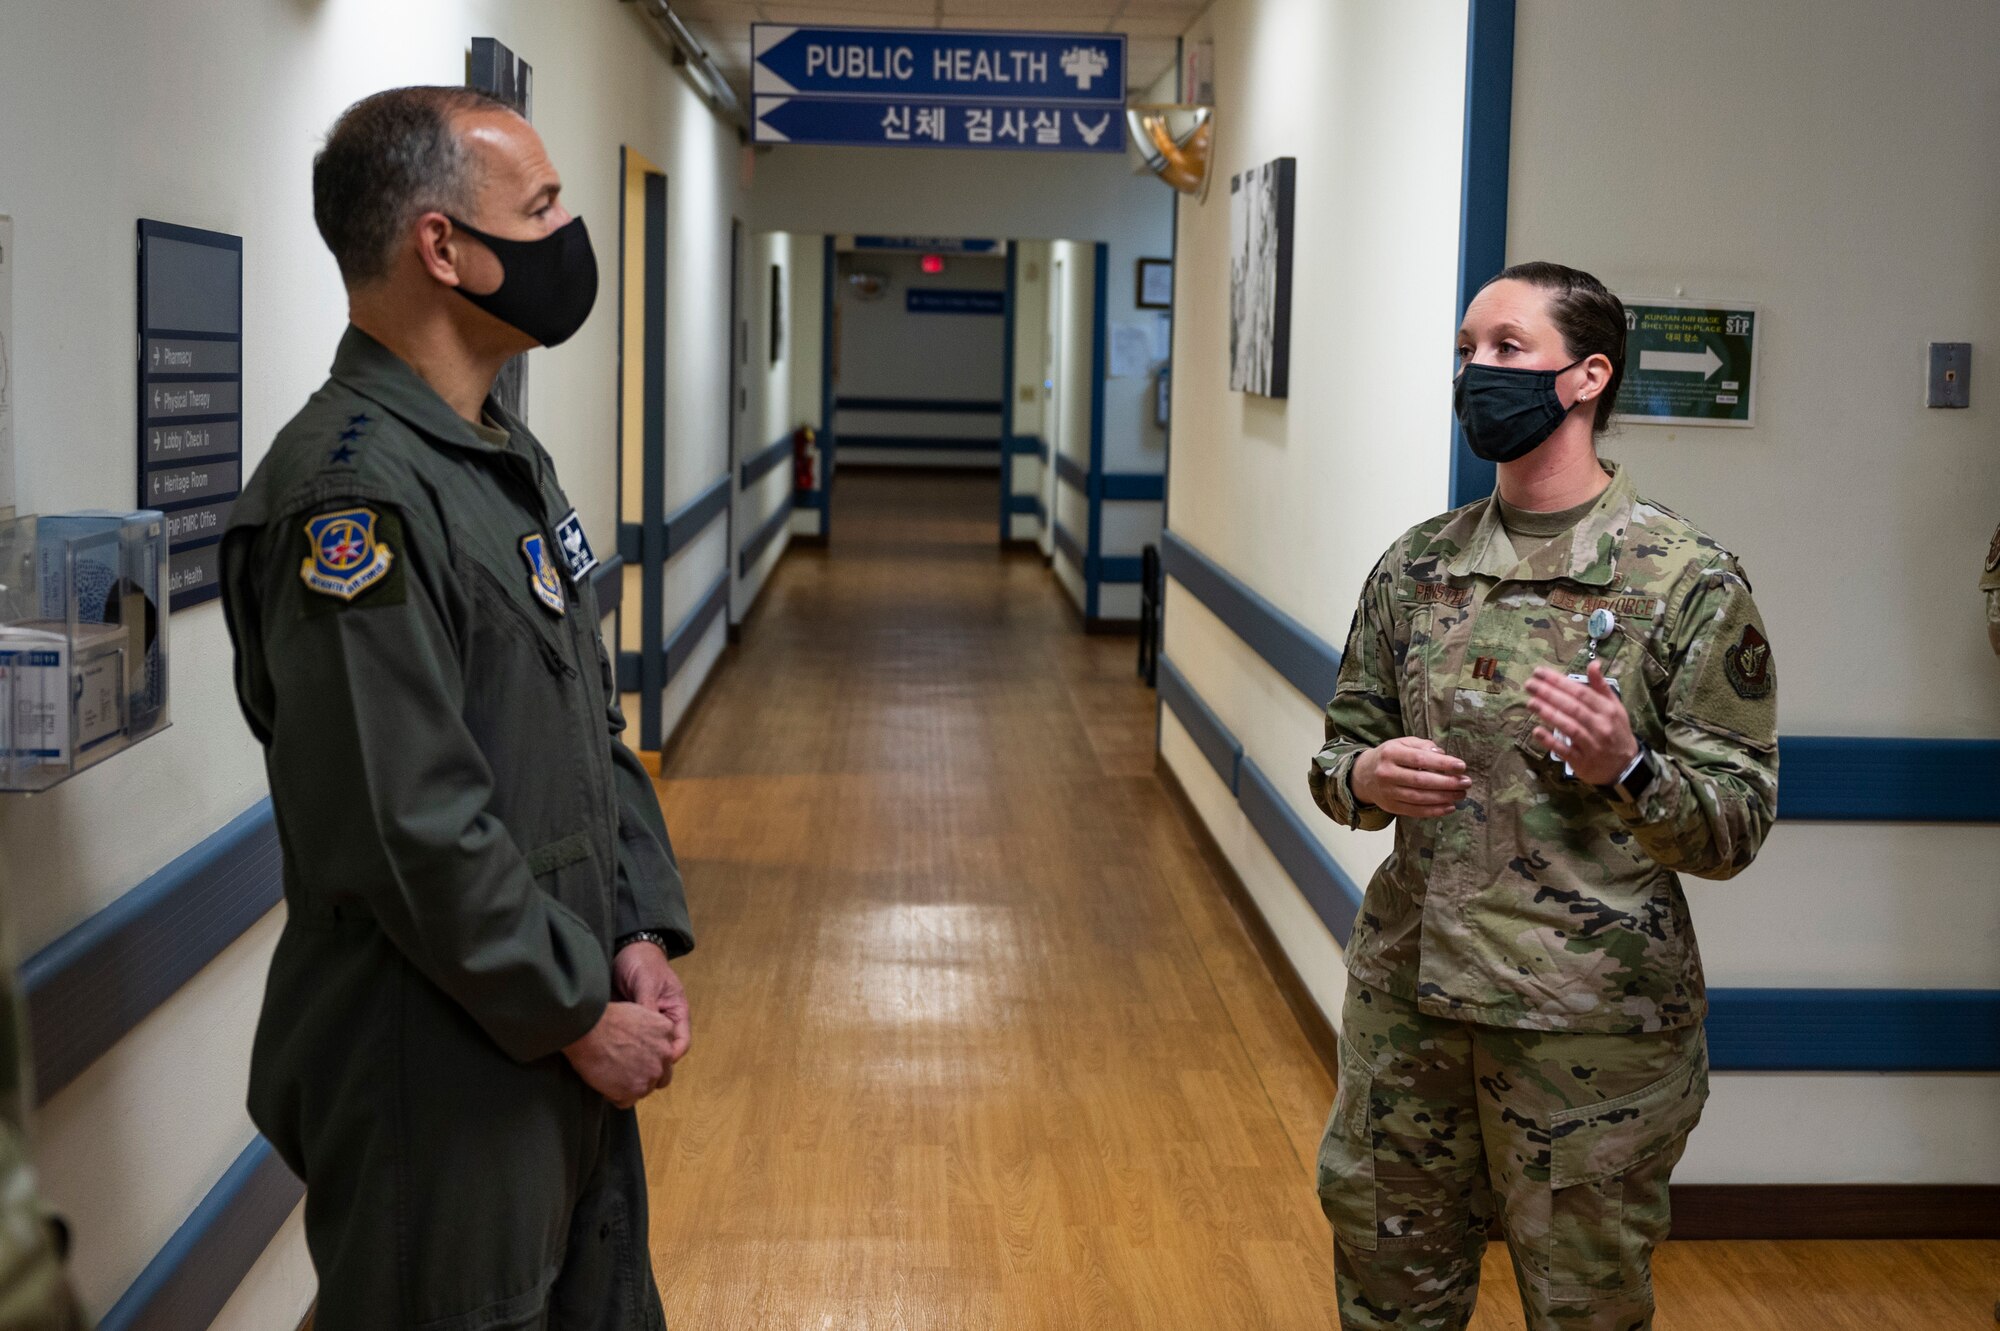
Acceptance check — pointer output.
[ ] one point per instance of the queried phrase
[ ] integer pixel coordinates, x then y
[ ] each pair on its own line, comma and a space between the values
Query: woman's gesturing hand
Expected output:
1585, 725
1410, 777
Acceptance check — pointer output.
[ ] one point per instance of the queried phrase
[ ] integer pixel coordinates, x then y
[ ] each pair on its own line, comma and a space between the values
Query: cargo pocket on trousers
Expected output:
1347, 1156
1608, 1168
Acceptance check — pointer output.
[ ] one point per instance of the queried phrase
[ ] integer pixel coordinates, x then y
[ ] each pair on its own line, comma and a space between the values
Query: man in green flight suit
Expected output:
473, 987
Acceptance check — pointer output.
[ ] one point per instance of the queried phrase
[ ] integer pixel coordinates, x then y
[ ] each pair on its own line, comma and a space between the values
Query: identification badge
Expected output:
1584, 680
576, 546
347, 558
543, 579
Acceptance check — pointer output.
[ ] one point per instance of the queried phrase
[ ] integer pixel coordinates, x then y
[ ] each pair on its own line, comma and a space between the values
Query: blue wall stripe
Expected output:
608, 581
1072, 550
86, 989
1217, 745
942, 406
767, 531
1120, 568
1854, 1030
686, 637
692, 518
630, 538
191, 1278
1888, 780
918, 441
761, 462
1024, 443
652, 560
1130, 485
1749, 1030
1024, 503
1482, 208
1334, 896
1072, 473
1294, 651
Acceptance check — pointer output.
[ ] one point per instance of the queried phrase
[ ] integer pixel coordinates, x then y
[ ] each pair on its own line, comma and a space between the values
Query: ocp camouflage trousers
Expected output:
1571, 1136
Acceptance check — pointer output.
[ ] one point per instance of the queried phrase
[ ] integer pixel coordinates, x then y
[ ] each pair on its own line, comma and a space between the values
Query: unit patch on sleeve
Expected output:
576, 546
1748, 665
347, 555
543, 579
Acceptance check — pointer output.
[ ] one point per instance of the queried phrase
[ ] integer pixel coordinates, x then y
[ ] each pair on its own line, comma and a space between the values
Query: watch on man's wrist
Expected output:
654, 937
1634, 781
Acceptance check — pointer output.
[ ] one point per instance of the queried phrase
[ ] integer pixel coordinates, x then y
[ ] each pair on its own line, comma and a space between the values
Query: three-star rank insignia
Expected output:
543, 579
347, 556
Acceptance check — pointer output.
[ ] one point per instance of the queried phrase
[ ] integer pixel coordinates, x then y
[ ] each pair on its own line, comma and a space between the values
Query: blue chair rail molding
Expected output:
85, 990
191, 1278
608, 581
942, 444
760, 463
1306, 661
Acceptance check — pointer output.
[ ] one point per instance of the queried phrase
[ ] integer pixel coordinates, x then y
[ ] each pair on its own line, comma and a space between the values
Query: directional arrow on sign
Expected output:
1704, 363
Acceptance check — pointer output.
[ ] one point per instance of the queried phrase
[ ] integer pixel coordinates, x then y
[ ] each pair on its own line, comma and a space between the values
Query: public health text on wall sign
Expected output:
932, 88
190, 396
1689, 364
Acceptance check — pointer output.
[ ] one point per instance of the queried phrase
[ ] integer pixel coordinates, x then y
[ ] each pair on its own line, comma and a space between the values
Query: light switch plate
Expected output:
1951, 375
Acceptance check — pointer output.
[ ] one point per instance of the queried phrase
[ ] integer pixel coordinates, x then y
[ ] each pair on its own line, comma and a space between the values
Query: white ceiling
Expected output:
1150, 26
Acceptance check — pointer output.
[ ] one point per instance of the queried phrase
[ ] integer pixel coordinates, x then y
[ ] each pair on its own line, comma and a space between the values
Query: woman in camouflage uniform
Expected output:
1562, 697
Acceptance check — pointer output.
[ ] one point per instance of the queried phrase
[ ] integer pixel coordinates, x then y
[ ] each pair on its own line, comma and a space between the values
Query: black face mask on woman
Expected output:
1508, 414
547, 286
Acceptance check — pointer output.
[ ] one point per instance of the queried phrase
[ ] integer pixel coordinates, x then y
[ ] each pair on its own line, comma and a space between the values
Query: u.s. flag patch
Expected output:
347, 557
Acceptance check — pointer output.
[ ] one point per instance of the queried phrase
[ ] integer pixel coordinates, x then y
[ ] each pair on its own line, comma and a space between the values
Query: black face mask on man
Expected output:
1508, 414
547, 286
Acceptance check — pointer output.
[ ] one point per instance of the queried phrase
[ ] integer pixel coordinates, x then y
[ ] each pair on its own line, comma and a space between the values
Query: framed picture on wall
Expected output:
777, 313
1156, 284
1260, 278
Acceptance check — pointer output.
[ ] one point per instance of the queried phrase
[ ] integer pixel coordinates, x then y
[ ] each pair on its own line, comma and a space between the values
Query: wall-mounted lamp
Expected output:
1175, 142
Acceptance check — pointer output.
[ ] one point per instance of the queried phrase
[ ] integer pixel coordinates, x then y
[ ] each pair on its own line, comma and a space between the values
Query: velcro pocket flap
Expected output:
1600, 1141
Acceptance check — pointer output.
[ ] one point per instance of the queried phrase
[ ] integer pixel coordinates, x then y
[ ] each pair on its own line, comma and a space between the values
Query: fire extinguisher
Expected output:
805, 459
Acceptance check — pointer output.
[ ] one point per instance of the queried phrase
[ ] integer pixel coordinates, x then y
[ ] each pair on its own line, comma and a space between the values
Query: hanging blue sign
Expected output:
942, 300
934, 64
884, 122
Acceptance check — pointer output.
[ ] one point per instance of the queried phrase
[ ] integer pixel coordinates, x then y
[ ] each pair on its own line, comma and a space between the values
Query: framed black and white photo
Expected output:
1156, 284
1260, 278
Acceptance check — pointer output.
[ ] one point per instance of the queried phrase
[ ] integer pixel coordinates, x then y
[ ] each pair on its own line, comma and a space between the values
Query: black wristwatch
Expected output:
1627, 790
657, 939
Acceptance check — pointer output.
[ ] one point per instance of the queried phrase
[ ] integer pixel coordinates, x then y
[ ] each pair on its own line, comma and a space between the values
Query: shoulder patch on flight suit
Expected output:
346, 553
543, 580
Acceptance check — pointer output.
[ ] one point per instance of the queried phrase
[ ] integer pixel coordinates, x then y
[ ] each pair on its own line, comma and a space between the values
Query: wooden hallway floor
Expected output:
979, 1042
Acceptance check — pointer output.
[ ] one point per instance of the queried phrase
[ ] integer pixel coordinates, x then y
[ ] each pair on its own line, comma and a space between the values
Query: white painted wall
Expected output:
807, 341
771, 410
887, 351
1031, 334
1840, 207
1299, 498
209, 116
1815, 170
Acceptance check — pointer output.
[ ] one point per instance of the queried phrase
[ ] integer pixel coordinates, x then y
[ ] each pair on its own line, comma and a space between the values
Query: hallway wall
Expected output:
1860, 515
888, 351
209, 116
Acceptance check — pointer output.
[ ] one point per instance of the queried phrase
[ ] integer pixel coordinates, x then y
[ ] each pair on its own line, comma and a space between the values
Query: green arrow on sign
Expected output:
1704, 363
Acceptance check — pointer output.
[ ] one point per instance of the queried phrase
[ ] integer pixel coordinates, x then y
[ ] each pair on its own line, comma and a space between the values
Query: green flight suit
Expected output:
1523, 1027
465, 839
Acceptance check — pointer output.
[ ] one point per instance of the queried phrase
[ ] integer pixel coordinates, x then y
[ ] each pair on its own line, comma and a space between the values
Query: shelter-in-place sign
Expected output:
936, 88
1689, 364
